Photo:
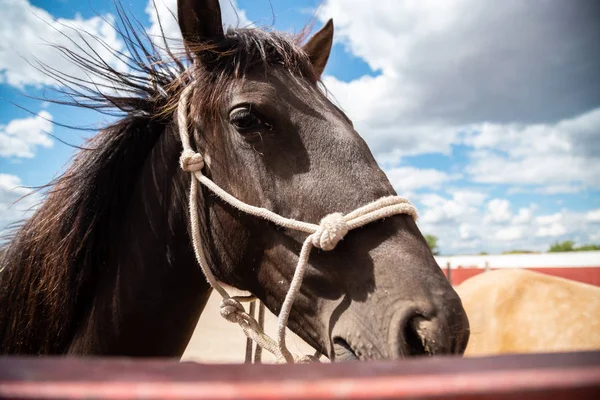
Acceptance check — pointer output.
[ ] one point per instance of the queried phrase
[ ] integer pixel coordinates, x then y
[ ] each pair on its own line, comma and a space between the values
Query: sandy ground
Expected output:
216, 340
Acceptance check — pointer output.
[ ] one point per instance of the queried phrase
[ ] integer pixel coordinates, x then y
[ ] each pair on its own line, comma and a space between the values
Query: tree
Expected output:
518, 252
588, 247
567, 245
432, 242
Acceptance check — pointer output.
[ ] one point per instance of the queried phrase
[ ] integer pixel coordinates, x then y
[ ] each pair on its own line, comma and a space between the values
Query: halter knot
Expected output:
332, 229
232, 310
191, 161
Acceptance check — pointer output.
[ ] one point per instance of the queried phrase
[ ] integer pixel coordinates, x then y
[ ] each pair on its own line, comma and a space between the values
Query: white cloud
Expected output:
468, 197
559, 189
463, 228
440, 210
498, 210
555, 158
408, 179
593, 215
510, 233
26, 32
549, 219
524, 216
551, 225
517, 77
21, 137
380, 114
555, 229
167, 10
13, 205
466, 231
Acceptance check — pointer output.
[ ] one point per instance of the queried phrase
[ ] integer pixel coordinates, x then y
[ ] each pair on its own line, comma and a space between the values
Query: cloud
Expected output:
498, 210
13, 205
593, 215
468, 197
26, 33
555, 229
21, 137
524, 216
442, 67
465, 231
549, 219
167, 10
553, 158
408, 179
551, 225
439, 210
559, 189
509, 233
466, 60
493, 227
383, 117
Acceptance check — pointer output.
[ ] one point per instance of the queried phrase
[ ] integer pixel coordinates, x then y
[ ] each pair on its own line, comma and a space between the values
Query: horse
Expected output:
105, 266
522, 311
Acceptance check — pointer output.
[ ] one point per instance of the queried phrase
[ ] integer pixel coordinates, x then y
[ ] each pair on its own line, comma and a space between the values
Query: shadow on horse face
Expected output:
274, 140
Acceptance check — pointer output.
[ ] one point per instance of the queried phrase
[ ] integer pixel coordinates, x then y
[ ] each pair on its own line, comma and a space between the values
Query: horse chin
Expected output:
343, 351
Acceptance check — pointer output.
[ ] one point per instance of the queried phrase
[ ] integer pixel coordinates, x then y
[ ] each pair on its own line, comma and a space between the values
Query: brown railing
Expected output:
538, 376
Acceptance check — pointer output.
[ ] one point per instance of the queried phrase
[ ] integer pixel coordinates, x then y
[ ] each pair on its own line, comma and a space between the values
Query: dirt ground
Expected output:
216, 340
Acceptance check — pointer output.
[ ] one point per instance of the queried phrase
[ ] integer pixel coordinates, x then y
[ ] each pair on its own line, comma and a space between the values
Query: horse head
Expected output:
271, 137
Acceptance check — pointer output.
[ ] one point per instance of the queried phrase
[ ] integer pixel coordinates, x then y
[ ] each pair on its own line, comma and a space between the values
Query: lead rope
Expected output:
331, 229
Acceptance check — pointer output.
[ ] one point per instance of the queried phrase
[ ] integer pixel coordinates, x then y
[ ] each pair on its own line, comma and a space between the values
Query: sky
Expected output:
485, 114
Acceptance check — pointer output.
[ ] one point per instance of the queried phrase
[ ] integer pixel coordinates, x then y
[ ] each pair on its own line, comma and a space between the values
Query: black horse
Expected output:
105, 265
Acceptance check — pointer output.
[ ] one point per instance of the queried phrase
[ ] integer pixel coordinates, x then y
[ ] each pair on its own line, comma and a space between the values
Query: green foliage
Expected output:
519, 252
588, 247
569, 245
432, 242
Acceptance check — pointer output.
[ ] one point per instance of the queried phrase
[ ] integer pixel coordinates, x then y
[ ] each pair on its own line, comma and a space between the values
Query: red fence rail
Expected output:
589, 275
537, 376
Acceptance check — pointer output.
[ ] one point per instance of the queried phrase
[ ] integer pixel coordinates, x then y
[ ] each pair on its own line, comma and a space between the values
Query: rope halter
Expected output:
191, 161
331, 229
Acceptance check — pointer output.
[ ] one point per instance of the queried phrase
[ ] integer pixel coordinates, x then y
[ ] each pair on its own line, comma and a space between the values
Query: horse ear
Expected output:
199, 21
319, 46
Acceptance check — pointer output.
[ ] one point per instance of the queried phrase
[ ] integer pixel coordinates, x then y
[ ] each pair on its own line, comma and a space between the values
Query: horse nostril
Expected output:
416, 341
425, 336
414, 331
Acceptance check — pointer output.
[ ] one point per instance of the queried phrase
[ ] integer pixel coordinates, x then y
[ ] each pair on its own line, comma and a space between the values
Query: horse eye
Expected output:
244, 120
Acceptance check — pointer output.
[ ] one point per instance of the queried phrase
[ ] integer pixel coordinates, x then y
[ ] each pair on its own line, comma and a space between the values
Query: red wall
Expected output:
590, 275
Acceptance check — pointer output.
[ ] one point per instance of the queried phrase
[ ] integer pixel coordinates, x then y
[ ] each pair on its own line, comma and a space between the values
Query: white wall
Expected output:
569, 259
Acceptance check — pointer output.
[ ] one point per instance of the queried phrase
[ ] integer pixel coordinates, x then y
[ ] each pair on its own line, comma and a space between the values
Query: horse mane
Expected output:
50, 266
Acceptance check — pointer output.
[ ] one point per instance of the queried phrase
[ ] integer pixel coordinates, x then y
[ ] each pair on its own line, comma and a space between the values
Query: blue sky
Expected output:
291, 15
485, 114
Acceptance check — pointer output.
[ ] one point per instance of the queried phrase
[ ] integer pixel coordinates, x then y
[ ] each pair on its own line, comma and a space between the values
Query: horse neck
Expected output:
145, 293
158, 290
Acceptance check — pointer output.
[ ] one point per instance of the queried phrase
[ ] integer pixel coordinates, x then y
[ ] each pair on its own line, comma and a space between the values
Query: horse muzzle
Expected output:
405, 332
